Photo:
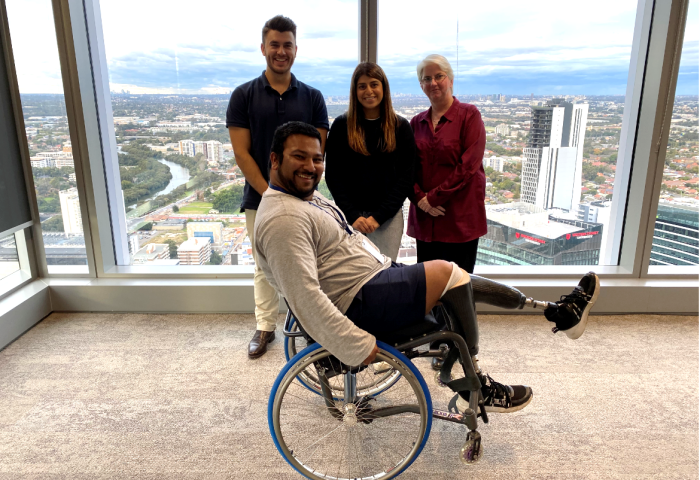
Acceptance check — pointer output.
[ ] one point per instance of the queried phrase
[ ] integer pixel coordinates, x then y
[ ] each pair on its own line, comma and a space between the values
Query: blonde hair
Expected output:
438, 60
356, 134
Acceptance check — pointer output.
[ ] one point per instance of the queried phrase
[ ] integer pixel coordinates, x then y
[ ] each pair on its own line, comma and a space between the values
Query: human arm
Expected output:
288, 251
469, 161
320, 117
241, 142
339, 175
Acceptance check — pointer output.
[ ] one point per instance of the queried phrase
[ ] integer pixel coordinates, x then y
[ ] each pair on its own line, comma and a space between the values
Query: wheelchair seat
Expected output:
428, 324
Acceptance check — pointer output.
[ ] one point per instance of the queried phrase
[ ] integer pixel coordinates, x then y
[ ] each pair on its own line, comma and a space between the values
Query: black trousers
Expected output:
463, 254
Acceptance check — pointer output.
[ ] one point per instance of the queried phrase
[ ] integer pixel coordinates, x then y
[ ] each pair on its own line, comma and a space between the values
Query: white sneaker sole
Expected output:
577, 330
462, 405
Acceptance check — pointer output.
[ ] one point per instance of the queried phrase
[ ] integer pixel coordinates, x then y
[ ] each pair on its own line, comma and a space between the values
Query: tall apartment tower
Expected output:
553, 163
70, 211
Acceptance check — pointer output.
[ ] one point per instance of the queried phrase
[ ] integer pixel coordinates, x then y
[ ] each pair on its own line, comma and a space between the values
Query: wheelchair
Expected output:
333, 421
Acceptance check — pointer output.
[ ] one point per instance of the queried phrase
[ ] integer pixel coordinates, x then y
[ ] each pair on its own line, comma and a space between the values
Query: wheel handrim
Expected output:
322, 446
371, 384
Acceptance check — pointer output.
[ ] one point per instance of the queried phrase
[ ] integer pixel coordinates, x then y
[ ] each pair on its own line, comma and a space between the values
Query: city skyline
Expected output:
577, 52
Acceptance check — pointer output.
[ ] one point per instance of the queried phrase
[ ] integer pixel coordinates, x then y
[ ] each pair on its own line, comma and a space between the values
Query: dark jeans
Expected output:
463, 254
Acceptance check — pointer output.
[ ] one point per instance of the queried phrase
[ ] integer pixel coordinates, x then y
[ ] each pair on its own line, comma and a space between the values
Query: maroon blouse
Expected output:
451, 174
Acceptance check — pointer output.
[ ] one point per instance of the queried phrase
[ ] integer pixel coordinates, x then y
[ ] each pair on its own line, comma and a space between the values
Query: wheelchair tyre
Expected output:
324, 439
371, 384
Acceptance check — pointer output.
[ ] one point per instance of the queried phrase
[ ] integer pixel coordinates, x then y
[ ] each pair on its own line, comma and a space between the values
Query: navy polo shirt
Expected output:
255, 105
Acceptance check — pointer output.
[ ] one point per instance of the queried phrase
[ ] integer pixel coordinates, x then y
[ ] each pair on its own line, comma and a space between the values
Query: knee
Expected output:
438, 269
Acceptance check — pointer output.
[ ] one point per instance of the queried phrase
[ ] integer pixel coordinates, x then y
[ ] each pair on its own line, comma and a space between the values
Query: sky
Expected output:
545, 47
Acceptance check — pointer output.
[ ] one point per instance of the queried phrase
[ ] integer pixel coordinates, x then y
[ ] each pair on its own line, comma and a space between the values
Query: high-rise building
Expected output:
212, 150
675, 235
195, 251
494, 162
503, 129
215, 151
70, 211
553, 160
186, 148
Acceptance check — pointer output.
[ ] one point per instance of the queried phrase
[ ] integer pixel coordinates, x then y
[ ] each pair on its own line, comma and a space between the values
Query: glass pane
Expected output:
675, 239
550, 87
9, 261
179, 179
43, 106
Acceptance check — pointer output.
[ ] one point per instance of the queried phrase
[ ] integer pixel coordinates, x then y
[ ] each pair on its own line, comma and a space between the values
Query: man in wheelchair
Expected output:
347, 294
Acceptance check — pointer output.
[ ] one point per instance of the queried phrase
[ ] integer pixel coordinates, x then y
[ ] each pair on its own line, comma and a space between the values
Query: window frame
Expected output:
651, 82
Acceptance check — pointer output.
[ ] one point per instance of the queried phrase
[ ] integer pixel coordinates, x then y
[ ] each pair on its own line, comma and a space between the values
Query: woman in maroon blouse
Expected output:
450, 182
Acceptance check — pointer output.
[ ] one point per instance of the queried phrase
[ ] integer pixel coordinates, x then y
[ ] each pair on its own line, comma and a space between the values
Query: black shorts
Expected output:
393, 299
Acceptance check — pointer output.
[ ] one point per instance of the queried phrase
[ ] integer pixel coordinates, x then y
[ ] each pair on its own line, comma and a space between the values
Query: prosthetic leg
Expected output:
504, 296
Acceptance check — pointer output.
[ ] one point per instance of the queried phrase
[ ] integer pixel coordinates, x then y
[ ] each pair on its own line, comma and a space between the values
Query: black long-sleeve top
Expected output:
375, 185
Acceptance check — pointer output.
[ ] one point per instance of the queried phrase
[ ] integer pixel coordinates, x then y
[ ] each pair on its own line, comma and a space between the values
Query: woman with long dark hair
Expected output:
370, 160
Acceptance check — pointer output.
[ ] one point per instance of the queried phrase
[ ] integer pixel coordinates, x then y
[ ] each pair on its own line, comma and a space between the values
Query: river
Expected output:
180, 174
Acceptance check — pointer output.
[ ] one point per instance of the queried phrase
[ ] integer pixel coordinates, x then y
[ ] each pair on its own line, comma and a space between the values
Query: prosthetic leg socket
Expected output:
459, 304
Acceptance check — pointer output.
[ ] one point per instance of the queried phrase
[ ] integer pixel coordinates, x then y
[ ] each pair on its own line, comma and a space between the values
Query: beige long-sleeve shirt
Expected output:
318, 263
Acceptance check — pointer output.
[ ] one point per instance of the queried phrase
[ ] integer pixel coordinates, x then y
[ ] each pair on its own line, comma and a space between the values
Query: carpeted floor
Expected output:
97, 396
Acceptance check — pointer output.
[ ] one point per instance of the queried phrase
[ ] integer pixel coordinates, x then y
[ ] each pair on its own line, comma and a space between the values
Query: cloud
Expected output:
320, 34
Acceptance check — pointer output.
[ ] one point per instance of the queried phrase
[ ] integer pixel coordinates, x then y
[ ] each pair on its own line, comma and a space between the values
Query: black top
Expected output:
375, 185
255, 105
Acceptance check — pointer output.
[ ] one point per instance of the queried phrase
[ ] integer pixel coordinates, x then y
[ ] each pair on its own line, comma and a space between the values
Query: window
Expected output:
675, 240
9, 260
48, 136
550, 84
171, 76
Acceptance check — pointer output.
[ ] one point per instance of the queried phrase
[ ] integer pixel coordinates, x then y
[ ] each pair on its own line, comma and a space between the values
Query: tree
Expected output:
323, 188
228, 200
172, 247
176, 209
53, 224
215, 259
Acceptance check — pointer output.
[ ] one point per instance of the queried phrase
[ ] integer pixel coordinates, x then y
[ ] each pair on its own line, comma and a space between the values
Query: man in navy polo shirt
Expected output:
254, 112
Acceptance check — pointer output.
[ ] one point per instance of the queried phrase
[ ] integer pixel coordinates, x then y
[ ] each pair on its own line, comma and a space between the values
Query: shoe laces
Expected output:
495, 388
576, 294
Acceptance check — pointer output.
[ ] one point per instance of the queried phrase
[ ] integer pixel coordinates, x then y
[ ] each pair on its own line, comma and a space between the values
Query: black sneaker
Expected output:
499, 398
571, 313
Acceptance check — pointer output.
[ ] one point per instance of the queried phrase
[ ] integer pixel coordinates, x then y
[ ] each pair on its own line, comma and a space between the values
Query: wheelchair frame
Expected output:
407, 351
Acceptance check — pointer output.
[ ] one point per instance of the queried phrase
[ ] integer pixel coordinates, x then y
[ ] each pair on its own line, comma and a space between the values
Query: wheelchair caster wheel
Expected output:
439, 382
472, 450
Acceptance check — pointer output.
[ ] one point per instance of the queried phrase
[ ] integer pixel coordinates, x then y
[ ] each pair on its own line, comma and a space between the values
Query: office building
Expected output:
523, 234
503, 130
212, 150
186, 148
553, 160
195, 251
214, 231
152, 252
675, 235
134, 243
494, 162
70, 211
52, 159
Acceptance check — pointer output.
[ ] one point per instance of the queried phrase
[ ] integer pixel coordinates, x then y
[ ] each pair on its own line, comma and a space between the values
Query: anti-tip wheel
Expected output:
471, 452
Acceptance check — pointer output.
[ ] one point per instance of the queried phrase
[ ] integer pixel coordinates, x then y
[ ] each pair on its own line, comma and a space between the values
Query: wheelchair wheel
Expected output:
364, 438
378, 378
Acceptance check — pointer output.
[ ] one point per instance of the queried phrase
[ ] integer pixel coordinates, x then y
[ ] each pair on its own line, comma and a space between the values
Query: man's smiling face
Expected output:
279, 49
301, 167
